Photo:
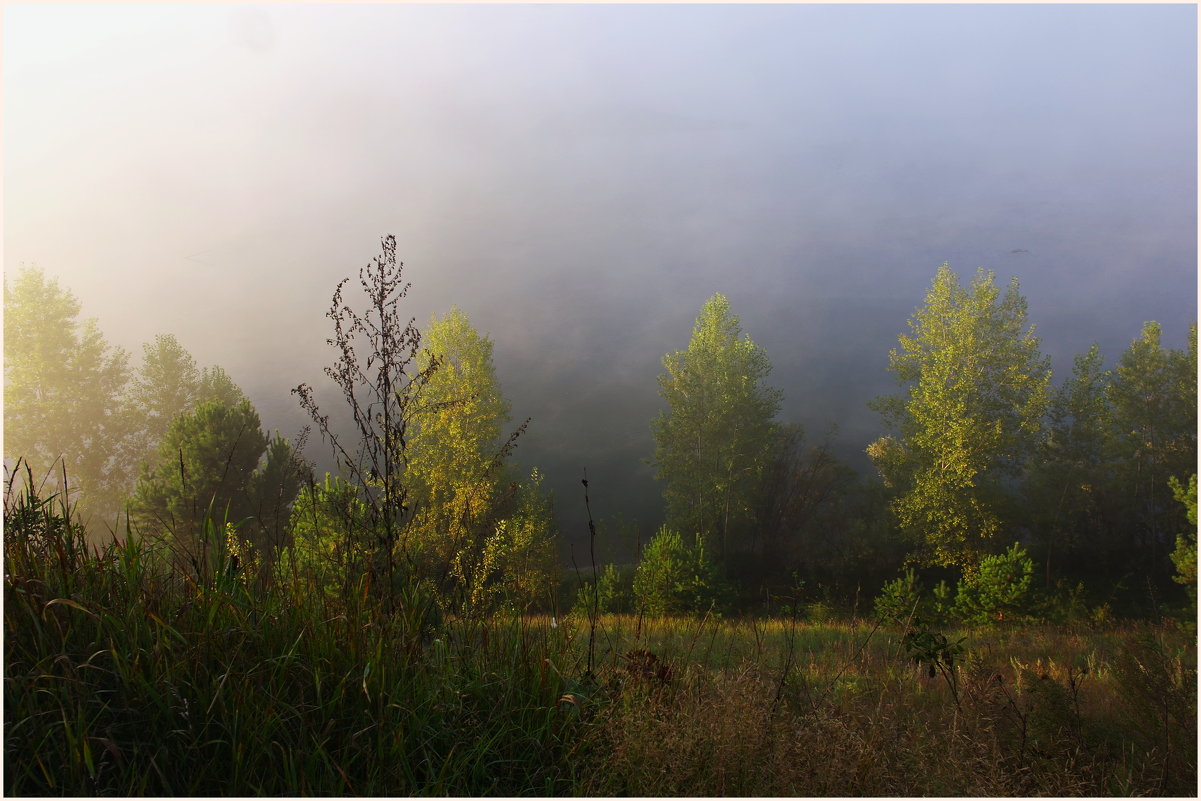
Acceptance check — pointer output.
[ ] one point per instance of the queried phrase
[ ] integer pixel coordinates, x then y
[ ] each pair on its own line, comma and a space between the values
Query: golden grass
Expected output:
773, 708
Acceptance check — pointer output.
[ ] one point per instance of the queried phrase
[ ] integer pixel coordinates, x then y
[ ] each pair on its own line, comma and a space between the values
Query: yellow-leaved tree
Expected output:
476, 532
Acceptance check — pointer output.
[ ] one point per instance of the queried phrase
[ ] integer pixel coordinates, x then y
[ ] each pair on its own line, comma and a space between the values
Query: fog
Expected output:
580, 179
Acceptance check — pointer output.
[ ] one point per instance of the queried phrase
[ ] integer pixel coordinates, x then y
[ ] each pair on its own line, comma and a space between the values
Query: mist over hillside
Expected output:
580, 180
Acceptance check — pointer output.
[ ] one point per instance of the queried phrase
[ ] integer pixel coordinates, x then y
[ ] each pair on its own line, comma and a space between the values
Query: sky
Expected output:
580, 179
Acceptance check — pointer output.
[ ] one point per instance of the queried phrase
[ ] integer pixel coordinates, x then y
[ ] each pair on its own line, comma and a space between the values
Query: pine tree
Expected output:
217, 462
166, 385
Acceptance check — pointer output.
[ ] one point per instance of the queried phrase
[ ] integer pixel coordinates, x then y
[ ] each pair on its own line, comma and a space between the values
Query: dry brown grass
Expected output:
1024, 726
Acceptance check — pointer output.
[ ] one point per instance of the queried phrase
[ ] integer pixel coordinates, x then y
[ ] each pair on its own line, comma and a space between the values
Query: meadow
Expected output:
125, 678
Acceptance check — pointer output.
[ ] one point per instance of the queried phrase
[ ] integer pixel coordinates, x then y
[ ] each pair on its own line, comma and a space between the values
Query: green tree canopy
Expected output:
217, 458
712, 443
63, 386
167, 384
1184, 555
1153, 395
676, 577
971, 415
1065, 489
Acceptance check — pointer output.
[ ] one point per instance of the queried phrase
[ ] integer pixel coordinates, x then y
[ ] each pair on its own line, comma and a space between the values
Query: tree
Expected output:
1184, 556
217, 462
484, 538
164, 386
1154, 436
1098, 495
514, 565
455, 469
712, 442
1067, 486
169, 383
976, 392
998, 590
215, 384
63, 385
675, 577
804, 511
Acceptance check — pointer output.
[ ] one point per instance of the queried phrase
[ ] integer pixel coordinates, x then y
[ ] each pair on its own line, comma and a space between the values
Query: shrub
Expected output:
674, 578
514, 568
1184, 557
943, 608
998, 590
614, 592
900, 598
1064, 603
332, 543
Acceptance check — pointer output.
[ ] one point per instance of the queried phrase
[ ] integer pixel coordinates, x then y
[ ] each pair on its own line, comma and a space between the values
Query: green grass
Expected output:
123, 676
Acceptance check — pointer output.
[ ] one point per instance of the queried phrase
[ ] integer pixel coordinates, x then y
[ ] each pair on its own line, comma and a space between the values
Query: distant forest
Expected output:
999, 489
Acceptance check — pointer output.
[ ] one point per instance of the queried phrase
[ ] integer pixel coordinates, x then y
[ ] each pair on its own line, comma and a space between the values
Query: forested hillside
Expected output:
191, 609
981, 450
764, 399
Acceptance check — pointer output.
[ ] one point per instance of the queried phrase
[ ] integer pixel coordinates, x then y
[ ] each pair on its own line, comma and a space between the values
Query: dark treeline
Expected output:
1080, 489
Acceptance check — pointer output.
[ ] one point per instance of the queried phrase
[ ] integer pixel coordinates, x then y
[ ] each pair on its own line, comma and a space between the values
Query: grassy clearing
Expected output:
123, 677
756, 707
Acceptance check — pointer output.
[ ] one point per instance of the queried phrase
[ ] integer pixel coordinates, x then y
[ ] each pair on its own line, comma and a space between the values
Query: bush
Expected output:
1064, 603
900, 598
998, 590
676, 578
1184, 557
614, 592
332, 544
943, 608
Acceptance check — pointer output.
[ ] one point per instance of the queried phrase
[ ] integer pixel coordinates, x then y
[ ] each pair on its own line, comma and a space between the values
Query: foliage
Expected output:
1063, 603
942, 610
164, 386
515, 568
900, 598
614, 590
1097, 495
227, 687
62, 393
976, 391
711, 441
674, 577
1065, 486
233, 688
934, 650
331, 539
1154, 400
1184, 557
814, 516
458, 477
167, 384
217, 458
998, 590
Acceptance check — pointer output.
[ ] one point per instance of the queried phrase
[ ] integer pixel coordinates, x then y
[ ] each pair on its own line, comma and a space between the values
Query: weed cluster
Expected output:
123, 677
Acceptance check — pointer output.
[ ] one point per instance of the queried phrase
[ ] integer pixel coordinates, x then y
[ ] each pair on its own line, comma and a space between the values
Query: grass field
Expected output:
122, 679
